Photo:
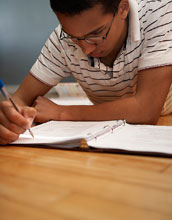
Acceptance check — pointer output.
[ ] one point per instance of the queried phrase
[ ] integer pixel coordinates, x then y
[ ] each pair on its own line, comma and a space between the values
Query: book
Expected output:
106, 136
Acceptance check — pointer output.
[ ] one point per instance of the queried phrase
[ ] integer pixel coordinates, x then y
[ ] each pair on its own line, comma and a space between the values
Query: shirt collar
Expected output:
134, 22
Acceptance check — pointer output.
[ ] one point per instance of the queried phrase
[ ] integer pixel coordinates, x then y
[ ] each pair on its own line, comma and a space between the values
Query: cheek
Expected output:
105, 46
111, 44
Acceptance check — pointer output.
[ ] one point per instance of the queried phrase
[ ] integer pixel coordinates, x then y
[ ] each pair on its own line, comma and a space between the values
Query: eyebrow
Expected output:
91, 32
96, 30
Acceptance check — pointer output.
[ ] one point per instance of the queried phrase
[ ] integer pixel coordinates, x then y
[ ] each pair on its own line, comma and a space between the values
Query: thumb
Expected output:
29, 113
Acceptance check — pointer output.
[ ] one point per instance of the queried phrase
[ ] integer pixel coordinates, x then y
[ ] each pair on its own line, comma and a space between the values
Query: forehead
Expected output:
85, 22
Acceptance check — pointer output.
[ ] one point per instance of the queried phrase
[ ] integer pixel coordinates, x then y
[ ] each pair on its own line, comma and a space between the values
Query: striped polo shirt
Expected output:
148, 45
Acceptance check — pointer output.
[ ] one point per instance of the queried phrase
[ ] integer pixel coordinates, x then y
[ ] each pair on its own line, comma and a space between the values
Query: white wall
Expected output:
25, 25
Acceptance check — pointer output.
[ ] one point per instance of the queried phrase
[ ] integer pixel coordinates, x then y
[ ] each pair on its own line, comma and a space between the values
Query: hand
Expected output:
13, 123
46, 110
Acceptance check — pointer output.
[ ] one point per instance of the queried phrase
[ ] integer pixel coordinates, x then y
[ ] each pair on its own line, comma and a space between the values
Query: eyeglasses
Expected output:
90, 40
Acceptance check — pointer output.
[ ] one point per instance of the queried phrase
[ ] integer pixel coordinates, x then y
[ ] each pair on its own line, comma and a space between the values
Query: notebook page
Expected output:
62, 131
145, 138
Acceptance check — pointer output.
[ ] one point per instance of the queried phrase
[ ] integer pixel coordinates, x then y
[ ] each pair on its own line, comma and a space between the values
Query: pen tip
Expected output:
31, 133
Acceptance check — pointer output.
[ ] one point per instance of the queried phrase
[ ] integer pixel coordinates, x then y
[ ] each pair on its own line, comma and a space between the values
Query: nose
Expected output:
86, 47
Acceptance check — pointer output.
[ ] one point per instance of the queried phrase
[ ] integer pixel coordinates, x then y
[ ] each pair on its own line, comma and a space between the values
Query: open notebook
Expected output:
110, 136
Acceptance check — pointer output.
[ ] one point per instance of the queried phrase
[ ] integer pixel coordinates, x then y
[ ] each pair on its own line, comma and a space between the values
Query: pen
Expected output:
7, 96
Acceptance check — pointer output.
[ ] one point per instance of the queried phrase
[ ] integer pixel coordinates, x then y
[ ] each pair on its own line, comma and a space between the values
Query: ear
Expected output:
123, 9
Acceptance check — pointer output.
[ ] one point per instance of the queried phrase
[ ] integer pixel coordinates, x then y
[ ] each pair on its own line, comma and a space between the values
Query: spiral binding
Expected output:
106, 129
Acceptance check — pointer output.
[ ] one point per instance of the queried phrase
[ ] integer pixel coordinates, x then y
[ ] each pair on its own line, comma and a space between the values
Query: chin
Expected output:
97, 55
100, 54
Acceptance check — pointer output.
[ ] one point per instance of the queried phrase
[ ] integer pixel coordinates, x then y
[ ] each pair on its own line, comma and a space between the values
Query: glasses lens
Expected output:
70, 40
94, 40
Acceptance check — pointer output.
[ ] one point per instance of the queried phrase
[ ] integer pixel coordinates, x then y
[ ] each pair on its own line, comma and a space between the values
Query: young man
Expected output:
119, 51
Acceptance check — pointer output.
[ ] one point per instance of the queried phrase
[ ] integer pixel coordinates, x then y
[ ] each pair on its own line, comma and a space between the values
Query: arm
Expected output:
143, 108
29, 90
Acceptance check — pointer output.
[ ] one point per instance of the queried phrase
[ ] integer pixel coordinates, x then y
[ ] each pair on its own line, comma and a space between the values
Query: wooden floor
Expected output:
46, 184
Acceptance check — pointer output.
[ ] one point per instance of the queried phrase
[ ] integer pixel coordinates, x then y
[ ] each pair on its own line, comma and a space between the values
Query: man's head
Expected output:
73, 7
82, 19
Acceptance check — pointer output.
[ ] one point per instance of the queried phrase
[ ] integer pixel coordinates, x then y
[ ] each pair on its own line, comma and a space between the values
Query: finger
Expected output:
34, 103
2, 142
29, 113
7, 135
12, 127
13, 116
37, 100
9, 125
39, 118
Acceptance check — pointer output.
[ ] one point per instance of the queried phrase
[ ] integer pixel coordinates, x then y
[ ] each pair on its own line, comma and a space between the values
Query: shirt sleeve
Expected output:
157, 35
51, 65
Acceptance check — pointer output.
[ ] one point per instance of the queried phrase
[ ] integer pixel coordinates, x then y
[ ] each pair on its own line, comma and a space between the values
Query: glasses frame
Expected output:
86, 39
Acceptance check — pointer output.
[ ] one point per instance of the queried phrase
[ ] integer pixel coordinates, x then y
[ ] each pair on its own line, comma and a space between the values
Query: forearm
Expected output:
18, 100
128, 108
29, 90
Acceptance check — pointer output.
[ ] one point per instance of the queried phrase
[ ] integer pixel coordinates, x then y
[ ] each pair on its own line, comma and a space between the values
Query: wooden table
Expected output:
46, 184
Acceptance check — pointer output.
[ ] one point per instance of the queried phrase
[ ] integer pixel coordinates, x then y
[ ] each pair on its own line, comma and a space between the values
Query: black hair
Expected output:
73, 7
